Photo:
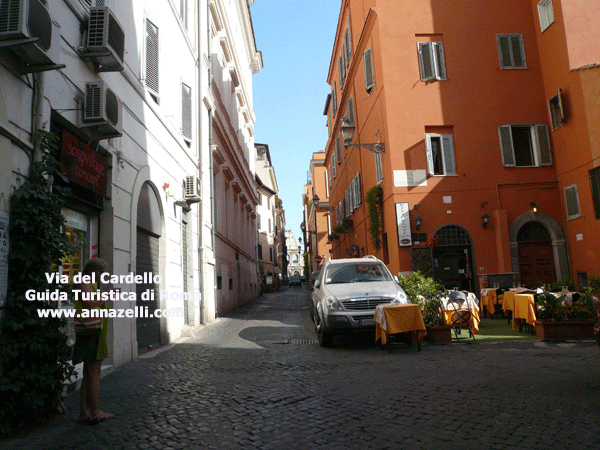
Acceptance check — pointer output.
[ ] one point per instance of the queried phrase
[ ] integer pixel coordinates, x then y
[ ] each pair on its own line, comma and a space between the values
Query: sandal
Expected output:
88, 420
105, 416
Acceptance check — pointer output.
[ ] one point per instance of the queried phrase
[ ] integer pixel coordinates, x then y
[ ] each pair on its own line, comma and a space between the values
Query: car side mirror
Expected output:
396, 278
317, 284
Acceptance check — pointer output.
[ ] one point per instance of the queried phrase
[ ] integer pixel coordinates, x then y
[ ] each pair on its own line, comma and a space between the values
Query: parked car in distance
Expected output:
295, 280
346, 293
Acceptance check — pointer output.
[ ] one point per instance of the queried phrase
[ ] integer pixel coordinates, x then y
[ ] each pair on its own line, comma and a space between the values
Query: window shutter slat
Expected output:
152, 52
517, 51
508, 157
504, 45
369, 75
448, 149
544, 145
426, 61
441, 63
572, 201
430, 168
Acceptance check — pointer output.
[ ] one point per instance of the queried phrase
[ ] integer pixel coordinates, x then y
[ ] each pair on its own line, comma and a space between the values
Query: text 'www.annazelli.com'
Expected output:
136, 312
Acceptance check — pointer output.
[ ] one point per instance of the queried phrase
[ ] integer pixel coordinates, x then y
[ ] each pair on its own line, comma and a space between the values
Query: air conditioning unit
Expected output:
192, 189
28, 31
102, 110
105, 43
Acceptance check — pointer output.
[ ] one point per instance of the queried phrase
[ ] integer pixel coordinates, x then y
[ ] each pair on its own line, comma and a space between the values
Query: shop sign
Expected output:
81, 164
4, 216
403, 225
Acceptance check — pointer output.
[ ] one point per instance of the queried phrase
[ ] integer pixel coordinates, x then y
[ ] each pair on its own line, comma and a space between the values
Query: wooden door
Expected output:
536, 263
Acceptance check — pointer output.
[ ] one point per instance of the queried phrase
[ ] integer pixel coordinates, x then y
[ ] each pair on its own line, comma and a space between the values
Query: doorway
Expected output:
452, 258
536, 258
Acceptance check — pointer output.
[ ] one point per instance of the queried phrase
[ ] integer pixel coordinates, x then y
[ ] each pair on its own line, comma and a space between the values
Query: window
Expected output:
342, 66
431, 60
183, 12
511, 51
329, 176
260, 256
546, 13
348, 42
525, 145
557, 115
333, 165
440, 154
152, 48
219, 282
572, 202
334, 101
369, 75
186, 112
378, 168
271, 254
338, 150
595, 181
350, 111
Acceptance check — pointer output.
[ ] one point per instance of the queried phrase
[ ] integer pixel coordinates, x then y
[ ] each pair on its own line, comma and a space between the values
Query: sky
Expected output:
296, 41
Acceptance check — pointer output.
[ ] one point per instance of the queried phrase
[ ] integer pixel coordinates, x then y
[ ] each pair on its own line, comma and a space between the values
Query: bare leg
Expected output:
84, 409
94, 393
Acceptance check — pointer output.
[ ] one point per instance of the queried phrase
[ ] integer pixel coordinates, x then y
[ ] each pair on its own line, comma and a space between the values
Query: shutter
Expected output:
186, 111
338, 150
342, 67
595, 182
152, 48
504, 51
348, 43
334, 99
426, 61
550, 12
359, 190
183, 13
440, 62
369, 75
506, 146
333, 165
429, 154
448, 151
518, 52
572, 201
543, 140
331, 175
350, 112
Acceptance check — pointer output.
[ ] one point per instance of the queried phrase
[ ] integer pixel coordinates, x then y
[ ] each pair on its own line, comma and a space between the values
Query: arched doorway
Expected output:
536, 259
557, 250
149, 230
453, 258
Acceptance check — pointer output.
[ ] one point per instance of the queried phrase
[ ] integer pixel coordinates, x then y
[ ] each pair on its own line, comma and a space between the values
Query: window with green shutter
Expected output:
525, 145
511, 51
572, 202
440, 154
431, 61
595, 182
369, 74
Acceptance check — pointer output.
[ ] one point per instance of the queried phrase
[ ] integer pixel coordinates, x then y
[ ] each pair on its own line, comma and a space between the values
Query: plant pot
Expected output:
439, 335
549, 330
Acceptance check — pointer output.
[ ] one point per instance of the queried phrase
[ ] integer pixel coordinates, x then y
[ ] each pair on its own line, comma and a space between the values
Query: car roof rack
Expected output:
370, 257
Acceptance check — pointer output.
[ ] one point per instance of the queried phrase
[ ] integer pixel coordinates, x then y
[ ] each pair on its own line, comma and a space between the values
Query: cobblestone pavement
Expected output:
257, 379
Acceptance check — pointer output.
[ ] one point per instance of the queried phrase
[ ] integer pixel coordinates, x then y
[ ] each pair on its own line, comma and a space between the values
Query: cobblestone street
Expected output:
258, 379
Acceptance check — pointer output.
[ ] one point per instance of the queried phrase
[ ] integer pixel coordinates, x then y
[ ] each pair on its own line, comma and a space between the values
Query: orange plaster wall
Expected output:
582, 26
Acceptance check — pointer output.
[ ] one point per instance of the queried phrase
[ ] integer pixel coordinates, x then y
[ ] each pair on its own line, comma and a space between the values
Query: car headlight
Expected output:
332, 304
401, 297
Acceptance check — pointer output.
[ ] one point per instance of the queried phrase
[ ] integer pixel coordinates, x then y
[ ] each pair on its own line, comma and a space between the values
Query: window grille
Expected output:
452, 235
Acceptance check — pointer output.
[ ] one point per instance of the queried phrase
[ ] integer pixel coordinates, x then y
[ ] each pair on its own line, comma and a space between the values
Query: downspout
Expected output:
210, 159
37, 103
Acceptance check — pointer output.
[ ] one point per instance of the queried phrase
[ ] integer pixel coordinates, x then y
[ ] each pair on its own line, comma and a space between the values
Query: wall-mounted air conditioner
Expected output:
102, 110
28, 32
105, 43
192, 189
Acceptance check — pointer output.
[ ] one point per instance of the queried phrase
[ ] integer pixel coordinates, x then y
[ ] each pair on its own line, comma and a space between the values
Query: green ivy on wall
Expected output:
34, 353
374, 198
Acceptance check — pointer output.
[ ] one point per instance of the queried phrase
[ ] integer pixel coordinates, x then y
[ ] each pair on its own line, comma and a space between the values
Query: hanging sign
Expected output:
4, 216
403, 225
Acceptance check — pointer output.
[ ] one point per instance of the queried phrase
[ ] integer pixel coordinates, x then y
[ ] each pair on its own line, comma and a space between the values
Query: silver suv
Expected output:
346, 294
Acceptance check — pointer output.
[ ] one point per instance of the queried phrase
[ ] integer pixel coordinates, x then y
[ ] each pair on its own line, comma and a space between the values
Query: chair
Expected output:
498, 306
461, 317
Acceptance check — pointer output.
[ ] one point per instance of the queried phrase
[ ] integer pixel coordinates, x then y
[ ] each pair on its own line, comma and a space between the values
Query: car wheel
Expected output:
325, 339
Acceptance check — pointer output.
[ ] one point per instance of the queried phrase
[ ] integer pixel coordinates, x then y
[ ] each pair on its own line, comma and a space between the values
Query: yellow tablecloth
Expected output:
392, 319
489, 298
524, 308
448, 311
508, 303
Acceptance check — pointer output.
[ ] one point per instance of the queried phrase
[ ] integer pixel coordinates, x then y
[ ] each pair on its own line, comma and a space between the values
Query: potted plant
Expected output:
428, 293
561, 320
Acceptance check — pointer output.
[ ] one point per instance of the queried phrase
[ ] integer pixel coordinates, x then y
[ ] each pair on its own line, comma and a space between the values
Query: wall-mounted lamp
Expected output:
417, 206
316, 200
485, 219
533, 207
418, 223
347, 130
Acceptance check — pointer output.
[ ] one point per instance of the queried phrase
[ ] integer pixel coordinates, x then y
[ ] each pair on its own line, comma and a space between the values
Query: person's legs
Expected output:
84, 408
94, 393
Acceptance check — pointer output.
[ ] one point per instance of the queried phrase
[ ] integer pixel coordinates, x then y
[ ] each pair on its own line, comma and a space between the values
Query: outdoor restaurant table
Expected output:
471, 305
524, 308
489, 298
392, 319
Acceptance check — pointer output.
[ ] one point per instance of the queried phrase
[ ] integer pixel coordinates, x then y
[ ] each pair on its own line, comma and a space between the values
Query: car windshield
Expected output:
356, 273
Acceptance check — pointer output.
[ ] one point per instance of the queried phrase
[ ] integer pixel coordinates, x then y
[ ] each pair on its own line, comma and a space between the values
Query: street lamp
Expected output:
347, 130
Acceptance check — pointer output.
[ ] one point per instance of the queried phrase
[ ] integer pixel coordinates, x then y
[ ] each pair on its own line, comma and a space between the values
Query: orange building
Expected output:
316, 225
443, 156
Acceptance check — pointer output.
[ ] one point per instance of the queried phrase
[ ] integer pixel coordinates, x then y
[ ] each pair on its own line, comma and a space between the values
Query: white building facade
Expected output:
145, 110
